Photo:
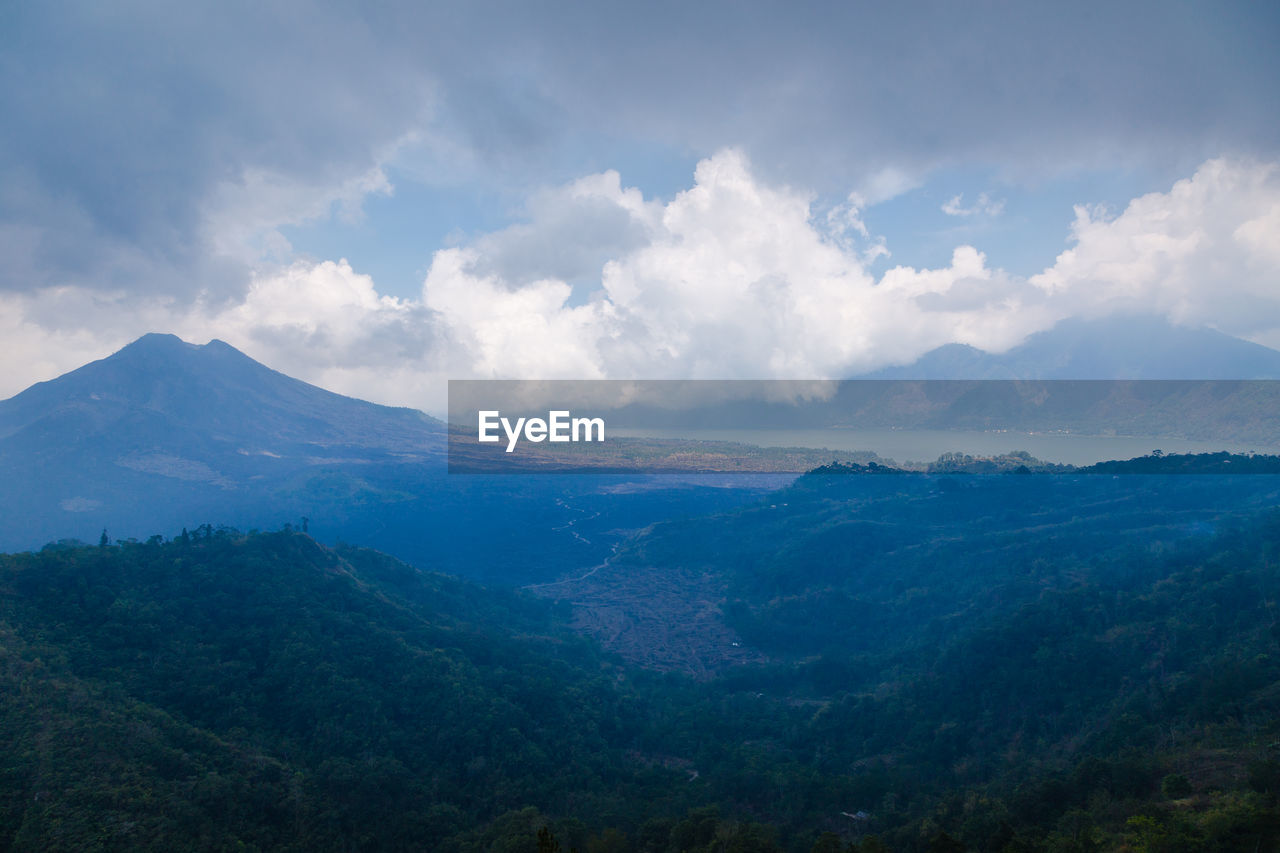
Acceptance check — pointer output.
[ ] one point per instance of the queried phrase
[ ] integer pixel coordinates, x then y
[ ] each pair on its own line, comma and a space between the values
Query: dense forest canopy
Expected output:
951, 663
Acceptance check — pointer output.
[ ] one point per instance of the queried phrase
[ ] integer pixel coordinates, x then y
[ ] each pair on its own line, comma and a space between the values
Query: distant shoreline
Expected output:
924, 446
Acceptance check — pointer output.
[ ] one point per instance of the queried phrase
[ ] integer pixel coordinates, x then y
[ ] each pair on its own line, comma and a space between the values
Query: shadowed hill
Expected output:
263, 692
267, 691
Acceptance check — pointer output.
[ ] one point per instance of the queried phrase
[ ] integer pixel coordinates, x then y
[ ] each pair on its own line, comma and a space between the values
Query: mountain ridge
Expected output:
1132, 347
191, 383
164, 434
167, 433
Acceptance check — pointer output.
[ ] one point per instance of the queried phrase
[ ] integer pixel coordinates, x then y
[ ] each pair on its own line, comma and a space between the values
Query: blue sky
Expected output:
378, 197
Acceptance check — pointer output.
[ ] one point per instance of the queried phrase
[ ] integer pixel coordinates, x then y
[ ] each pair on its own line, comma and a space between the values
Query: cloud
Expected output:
888, 183
738, 278
734, 277
242, 217
847, 92
731, 278
153, 153
569, 232
984, 206
1201, 254
136, 134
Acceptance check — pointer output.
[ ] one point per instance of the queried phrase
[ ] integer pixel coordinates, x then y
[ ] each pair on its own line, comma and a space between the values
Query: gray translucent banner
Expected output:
789, 426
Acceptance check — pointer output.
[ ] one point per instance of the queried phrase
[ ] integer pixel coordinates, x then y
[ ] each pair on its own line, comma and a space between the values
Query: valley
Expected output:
299, 632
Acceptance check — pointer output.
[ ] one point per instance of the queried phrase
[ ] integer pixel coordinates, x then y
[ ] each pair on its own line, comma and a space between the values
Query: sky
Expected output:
378, 197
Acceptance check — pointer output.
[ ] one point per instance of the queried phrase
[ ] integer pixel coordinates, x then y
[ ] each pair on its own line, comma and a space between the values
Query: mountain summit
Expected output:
171, 432
166, 434
181, 391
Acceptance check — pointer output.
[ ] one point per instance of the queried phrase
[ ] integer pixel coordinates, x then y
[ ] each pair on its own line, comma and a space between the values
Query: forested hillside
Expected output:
1022, 648
224, 691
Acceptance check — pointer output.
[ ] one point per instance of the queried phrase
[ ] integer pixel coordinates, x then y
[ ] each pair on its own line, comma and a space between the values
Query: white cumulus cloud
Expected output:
732, 278
1203, 253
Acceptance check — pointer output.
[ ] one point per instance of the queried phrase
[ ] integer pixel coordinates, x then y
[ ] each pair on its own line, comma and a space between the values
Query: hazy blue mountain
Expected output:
165, 434
161, 392
1121, 376
1111, 348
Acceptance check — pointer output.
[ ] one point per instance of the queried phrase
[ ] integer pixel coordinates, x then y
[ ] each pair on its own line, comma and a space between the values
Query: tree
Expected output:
828, 842
547, 842
1175, 786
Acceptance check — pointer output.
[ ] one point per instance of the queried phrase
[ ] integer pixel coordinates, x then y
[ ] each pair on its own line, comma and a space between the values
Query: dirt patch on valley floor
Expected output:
667, 619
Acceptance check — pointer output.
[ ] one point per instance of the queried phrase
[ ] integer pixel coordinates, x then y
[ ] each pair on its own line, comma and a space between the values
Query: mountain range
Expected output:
1111, 348
1038, 663
166, 434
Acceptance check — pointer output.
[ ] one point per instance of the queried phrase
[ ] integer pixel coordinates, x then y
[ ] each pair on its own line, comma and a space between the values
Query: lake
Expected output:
928, 445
